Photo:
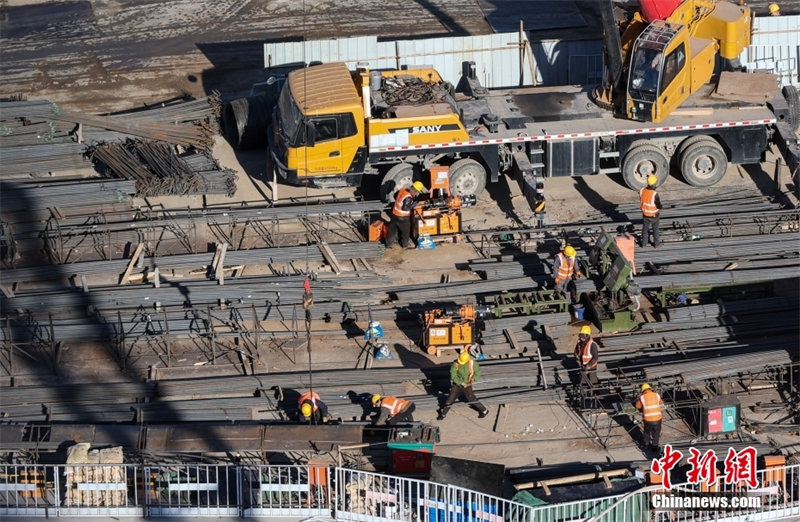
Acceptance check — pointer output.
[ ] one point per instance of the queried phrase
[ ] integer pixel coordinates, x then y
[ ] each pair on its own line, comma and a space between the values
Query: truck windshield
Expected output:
645, 73
289, 117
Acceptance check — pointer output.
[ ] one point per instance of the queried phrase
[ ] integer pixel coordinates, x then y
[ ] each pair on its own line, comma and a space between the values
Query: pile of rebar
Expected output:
159, 171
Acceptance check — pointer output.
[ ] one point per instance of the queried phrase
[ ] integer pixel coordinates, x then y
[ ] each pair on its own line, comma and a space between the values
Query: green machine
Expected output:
612, 307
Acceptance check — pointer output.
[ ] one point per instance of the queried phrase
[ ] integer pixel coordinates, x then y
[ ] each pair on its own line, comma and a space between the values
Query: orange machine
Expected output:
451, 328
441, 213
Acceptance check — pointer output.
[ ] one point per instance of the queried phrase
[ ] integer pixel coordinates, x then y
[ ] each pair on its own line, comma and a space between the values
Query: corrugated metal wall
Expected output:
775, 48
496, 57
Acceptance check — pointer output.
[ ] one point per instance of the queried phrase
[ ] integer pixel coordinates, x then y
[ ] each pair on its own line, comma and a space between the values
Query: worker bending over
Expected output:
587, 353
564, 270
649, 403
463, 373
393, 410
404, 203
311, 408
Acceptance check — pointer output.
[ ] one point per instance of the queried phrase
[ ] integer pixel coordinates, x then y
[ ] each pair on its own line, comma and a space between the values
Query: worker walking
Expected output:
650, 204
587, 353
393, 410
463, 373
404, 203
649, 403
564, 270
311, 408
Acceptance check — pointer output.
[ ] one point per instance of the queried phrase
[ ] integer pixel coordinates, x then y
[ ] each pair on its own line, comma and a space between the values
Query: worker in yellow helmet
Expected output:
311, 409
565, 270
464, 372
587, 354
774, 10
650, 203
649, 403
404, 202
393, 410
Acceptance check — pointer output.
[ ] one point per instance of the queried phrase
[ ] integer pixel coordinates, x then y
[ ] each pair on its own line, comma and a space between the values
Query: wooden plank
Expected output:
512, 340
132, 263
219, 273
327, 253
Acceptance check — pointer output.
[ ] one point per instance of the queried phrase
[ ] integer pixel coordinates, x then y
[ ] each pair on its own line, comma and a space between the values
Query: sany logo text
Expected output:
426, 128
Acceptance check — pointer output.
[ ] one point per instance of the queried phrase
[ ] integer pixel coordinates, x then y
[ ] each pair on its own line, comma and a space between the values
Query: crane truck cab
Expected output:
673, 58
327, 119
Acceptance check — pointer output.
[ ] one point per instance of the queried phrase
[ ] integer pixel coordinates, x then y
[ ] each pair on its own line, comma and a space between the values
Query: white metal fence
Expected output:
200, 490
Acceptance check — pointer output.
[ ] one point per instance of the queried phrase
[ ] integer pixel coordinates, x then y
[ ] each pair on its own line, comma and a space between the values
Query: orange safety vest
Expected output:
586, 354
650, 404
308, 396
394, 404
397, 210
566, 267
647, 201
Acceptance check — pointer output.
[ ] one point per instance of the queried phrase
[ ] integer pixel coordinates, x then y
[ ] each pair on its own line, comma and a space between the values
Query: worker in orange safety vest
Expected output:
650, 203
393, 410
649, 403
310, 408
587, 354
564, 270
400, 224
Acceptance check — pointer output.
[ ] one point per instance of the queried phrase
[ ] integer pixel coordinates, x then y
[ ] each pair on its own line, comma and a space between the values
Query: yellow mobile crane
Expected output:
332, 126
655, 66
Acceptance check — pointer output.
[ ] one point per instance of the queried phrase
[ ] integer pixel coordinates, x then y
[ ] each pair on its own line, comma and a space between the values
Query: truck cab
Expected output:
318, 127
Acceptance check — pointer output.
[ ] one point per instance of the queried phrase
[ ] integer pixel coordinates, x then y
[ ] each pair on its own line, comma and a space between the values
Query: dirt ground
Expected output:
111, 55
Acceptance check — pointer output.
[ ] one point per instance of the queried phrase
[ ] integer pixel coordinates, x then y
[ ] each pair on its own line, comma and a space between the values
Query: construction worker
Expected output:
393, 410
587, 353
650, 204
404, 203
311, 408
564, 270
463, 373
774, 10
649, 403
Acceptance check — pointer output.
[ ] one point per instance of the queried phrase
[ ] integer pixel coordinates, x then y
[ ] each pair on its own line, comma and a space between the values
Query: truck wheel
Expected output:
642, 161
793, 100
702, 160
399, 176
467, 177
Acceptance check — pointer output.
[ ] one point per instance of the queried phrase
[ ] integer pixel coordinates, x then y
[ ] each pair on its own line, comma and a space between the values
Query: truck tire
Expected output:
702, 160
793, 100
399, 176
246, 121
467, 178
642, 161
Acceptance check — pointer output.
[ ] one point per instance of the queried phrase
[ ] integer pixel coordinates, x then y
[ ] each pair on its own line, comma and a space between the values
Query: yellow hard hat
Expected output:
418, 186
586, 330
375, 399
306, 409
645, 386
652, 180
569, 251
774, 8
463, 357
